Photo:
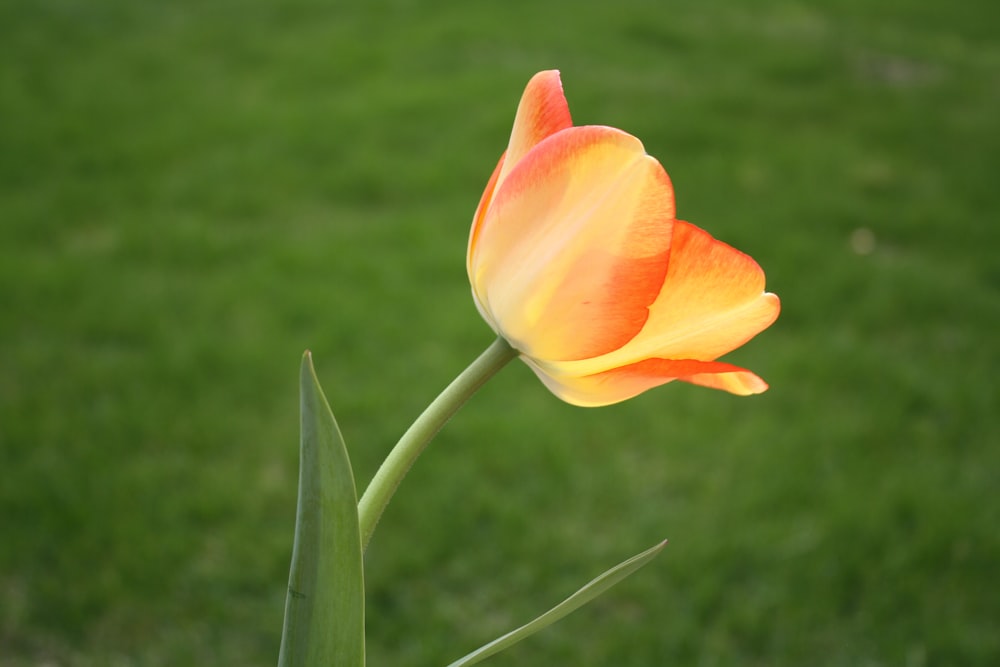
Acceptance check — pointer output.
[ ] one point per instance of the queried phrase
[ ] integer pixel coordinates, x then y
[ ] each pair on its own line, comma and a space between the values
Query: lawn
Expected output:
193, 193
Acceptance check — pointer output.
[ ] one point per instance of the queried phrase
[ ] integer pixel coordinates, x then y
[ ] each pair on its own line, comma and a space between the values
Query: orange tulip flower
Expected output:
577, 260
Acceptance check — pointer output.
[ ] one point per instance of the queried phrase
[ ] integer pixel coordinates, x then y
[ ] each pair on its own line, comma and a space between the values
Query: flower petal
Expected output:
573, 249
713, 301
542, 112
742, 382
477, 222
618, 384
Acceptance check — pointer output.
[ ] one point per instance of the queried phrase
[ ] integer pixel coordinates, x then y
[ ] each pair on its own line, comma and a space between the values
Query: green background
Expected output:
192, 193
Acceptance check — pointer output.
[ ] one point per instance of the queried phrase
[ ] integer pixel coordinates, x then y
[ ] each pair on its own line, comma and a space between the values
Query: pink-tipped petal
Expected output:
573, 249
542, 112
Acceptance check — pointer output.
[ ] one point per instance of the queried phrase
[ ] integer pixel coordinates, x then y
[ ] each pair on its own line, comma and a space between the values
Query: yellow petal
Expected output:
712, 302
618, 384
573, 248
542, 112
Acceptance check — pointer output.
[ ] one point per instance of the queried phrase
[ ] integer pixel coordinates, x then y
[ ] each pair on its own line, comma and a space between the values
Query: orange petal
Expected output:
542, 112
742, 383
573, 248
477, 219
619, 384
712, 302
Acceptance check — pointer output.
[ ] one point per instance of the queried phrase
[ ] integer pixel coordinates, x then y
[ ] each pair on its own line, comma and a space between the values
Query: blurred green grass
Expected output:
193, 193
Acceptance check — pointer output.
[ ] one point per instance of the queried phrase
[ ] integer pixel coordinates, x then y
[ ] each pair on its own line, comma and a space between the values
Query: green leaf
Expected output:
564, 608
325, 606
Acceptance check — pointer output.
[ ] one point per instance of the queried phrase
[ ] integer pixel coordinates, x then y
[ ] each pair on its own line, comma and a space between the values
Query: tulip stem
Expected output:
416, 438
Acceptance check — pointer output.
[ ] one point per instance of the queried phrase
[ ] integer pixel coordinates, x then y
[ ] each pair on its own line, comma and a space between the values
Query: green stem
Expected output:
416, 438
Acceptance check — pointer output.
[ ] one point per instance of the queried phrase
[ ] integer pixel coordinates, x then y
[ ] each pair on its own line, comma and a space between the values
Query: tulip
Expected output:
577, 260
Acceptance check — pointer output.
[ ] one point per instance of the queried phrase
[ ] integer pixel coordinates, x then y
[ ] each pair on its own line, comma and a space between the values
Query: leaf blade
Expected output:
588, 592
324, 606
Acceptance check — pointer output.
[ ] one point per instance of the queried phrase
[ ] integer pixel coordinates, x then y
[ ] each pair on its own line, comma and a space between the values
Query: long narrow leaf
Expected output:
564, 608
325, 605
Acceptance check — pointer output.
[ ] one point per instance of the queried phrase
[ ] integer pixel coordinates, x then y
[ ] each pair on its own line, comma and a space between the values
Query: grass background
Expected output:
192, 193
